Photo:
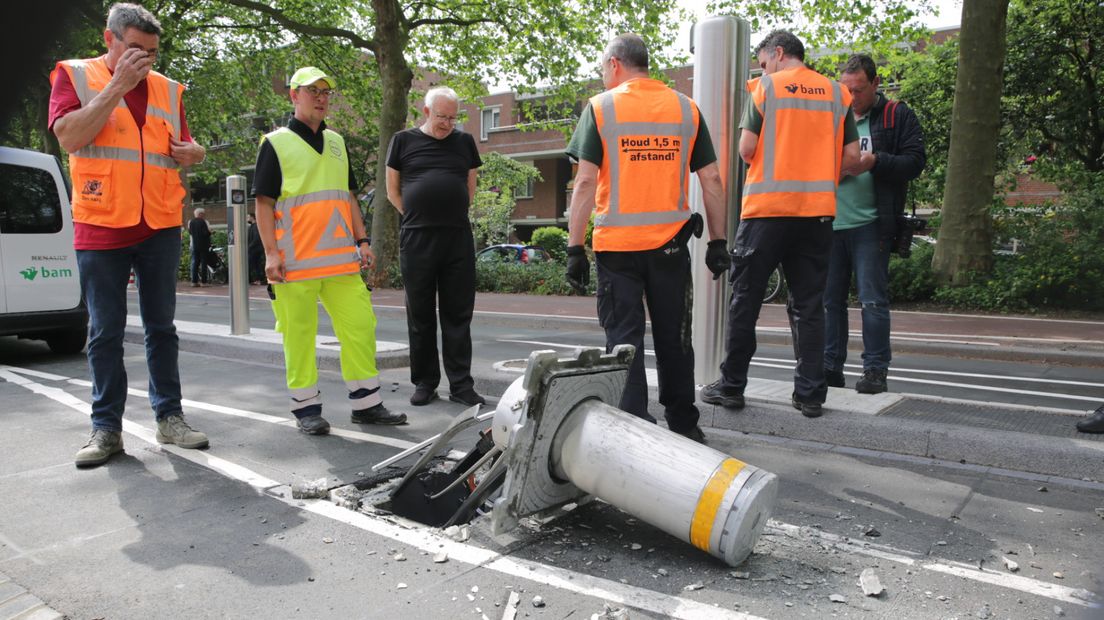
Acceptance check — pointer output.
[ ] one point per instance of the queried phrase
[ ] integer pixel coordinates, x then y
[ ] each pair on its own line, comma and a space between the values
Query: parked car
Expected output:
513, 253
40, 293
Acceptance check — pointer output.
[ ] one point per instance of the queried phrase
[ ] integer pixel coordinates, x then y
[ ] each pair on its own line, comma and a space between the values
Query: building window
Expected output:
525, 191
490, 120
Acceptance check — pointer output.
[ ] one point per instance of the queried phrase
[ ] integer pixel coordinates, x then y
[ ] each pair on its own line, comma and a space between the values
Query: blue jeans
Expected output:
103, 277
861, 252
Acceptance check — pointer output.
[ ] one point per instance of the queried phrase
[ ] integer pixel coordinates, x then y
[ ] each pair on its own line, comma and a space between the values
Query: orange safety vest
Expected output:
125, 173
314, 212
796, 166
648, 132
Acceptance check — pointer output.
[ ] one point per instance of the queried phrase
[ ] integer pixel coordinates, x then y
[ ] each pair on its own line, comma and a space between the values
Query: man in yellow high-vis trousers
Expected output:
315, 246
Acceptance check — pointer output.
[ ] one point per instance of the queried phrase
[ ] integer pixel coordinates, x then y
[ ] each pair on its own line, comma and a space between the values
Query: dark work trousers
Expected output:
662, 278
802, 245
438, 265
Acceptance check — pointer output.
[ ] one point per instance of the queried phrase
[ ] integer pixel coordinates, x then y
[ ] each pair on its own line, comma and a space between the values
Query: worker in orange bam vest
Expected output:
315, 246
636, 145
124, 128
797, 132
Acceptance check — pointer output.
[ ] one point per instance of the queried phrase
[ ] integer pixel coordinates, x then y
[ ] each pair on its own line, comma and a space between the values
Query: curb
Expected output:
1073, 354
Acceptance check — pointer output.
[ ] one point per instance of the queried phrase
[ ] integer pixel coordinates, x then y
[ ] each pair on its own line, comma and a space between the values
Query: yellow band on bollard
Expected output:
701, 528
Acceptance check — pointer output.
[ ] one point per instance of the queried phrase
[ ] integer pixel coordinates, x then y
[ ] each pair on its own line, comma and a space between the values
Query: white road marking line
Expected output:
427, 539
33, 373
1054, 591
897, 369
401, 444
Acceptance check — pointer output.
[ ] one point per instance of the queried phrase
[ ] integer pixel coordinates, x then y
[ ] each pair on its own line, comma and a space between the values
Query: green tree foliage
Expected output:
1054, 79
499, 178
835, 29
926, 83
553, 239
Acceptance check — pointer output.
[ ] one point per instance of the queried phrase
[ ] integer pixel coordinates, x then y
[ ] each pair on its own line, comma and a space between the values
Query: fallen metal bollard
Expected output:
561, 441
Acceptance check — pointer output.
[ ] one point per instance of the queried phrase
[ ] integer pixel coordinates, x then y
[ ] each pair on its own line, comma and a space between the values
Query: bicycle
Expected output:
775, 285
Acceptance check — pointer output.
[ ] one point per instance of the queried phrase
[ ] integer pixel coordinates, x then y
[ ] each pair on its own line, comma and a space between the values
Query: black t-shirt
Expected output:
268, 179
433, 176
200, 233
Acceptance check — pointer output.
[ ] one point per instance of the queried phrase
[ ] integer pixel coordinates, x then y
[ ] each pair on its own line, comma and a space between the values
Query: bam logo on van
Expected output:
31, 272
793, 88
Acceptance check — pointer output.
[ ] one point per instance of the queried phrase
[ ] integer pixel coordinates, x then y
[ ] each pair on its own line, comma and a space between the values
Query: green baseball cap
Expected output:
309, 75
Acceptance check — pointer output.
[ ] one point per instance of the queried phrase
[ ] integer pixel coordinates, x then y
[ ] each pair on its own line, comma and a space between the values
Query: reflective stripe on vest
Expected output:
313, 248
611, 132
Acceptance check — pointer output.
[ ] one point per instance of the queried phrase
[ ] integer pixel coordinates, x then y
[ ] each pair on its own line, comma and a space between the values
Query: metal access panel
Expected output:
529, 414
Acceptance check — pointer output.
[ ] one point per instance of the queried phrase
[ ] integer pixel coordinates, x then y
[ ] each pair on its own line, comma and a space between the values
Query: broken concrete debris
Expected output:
538, 601
694, 586
870, 583
510, 613
1011, 565
609, 612
441, 558
314, 489
837, 598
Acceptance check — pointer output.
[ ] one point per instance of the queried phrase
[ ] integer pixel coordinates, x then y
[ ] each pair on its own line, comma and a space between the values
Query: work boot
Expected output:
173, 429
694, 434
809, 410
834, 378
716, 394
101, 445
1094, 423
467, 397
377, 415
423, 395
873, 381
313, 425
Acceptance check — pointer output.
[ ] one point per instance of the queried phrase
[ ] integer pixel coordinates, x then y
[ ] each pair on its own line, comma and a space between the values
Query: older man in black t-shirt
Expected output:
431, 181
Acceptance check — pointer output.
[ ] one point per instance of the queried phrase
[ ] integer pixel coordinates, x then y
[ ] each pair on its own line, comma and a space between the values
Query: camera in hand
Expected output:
907, 226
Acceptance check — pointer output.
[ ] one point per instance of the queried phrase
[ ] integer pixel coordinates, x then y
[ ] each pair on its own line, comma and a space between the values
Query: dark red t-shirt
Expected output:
63, 100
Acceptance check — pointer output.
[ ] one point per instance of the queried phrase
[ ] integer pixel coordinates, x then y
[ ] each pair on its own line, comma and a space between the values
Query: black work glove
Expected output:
578, 268
716, 257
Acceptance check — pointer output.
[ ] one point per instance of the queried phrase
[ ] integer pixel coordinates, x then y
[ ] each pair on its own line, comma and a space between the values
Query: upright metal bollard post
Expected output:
721, 52
237, 236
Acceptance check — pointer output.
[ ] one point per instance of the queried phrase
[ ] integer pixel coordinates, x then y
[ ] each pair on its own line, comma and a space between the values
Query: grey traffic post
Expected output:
721, 53
237, 236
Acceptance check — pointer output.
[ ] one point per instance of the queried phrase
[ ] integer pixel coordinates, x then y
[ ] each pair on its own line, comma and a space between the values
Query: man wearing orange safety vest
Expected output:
636, 145
313, 235
797, 133
124, 128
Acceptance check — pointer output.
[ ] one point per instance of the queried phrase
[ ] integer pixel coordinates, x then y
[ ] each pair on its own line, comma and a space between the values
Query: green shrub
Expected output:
547, 278
911, 279
553, 239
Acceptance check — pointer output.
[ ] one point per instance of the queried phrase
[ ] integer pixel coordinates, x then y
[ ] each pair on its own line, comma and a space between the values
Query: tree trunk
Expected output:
396, 78
966, 231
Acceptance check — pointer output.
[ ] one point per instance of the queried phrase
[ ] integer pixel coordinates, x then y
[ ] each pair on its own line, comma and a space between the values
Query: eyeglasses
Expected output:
318, 92
441, 117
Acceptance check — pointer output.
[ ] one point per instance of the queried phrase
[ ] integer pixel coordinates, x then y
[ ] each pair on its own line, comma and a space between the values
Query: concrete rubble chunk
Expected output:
1058, 611
1100, 512
609, 612
440, 558
1059, 575
662, 571
694, 586
740, 574
984, 612
314, 489
1011, 565
401, 586
636, 546
327, 540
465, 533
538, 601
398, 557
837, 598
510, 613
872, 532
871, 584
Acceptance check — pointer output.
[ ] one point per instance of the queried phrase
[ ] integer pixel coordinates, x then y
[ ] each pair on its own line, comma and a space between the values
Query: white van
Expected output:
40, 293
